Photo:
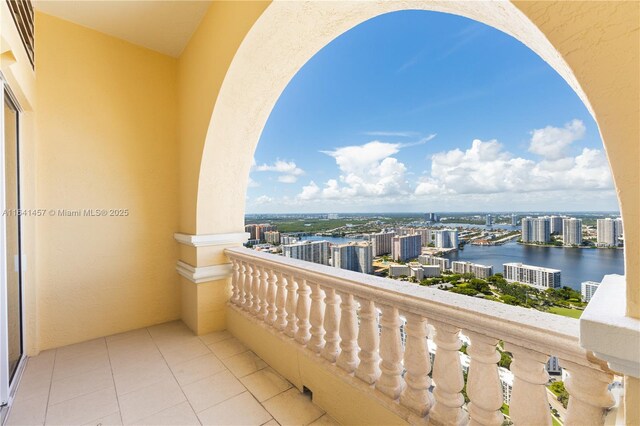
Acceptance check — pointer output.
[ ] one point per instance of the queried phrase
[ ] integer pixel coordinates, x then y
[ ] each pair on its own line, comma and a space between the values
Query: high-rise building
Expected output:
252, 230
572, 231
441, 262
287, 239
432, 217
445, 238
406, 247
381, 243
332, 216
514, 219
609, 232
535, 230
353, 256
488, 220
262, 228
272, 237
556, 224
588, 289
479, 271
310, 251
425, 234
535, 276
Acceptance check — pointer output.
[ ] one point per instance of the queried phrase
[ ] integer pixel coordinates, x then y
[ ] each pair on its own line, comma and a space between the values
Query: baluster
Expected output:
447, 377
235, 282
368, 340
270, 317
262, 295
331, 321
291, 328
483, 382
416, 394
248, 277
390, 382
316, 343
529, 404
281, 298
348, 358
255, 289
589, 395
302, 312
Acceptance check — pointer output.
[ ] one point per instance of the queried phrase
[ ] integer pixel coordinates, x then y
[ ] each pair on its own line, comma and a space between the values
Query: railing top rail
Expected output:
540, 331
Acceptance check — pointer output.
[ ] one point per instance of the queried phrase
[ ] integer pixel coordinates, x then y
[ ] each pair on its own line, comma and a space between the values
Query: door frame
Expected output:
8, 387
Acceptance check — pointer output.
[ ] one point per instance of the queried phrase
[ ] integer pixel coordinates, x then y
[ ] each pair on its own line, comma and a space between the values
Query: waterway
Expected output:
577, 265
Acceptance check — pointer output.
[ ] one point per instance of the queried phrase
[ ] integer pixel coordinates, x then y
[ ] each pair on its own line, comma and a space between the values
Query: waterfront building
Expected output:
272, 237
262, 228
310, 251
488, 220
252, 242
425, 234
609, 232
588, 289
535, 276
406, 247
441, 262
445, 238
252, 230
287, 239
572, 231
478, 270
399, 270
381, 243
536, 230
414, 269
405, 230
432, 217
556, 224
353, 257
514, 219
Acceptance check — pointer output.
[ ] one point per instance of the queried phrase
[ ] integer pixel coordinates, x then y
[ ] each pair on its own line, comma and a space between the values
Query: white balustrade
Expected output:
317, 306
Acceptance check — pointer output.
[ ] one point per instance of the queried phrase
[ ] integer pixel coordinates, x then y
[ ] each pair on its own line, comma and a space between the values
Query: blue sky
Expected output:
423, 111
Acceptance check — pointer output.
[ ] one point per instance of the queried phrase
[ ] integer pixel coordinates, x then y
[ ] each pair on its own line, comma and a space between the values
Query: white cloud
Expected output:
288, 170
552, 142
309, 191
263, 199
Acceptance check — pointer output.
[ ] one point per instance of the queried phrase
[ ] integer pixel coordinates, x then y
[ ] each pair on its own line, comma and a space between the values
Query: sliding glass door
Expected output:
11, 346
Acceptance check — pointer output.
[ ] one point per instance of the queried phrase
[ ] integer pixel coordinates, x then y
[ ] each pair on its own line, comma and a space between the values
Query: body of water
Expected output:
577, 265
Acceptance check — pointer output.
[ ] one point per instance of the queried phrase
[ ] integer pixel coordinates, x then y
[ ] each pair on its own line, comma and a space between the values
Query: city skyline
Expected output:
397, 119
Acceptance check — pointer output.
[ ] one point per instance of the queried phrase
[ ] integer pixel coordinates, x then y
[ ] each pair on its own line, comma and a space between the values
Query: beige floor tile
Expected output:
140, 332
143, 375
145, 402
325, 420
216, 336
271, 422
197, 369
83, 409
29, 411
184, 351
265, 384
293, 408
244, 364
240, 410
132, 358
181, 414
172, 328
131, 344
80, 384
226, 348
32, 385
41, 364
81, 349
110, 420
212, 390
67, 367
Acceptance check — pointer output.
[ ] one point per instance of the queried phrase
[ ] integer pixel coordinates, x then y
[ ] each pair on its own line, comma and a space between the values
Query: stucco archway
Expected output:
288, 34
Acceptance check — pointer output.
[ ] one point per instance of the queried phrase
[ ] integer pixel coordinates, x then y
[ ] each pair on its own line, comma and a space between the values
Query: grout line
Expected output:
175, 378
53, 368
113, 380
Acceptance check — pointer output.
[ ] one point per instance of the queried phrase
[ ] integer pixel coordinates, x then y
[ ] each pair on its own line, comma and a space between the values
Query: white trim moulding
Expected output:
207, 240
204, 273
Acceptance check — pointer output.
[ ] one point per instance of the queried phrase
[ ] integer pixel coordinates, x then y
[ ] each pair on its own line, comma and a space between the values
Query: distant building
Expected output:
431, 217
399, 270
556, 224
572, 231
588, 289
514, 219
332, 216
262, 228
535, 276
480, 271
310, 251
441, 262
425, 234
488, 220
272, 237
353, 257
445, 238
406, 247
609, 232
381, 243
553, 365
252, 230
252, 242
414, 269
536, 230
287, 239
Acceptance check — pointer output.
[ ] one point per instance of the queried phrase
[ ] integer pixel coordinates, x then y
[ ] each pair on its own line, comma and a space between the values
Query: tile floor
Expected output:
161, 375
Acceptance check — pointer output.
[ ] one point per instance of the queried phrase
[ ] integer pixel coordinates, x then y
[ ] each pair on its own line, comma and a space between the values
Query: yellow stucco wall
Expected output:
201, 71
106, 139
